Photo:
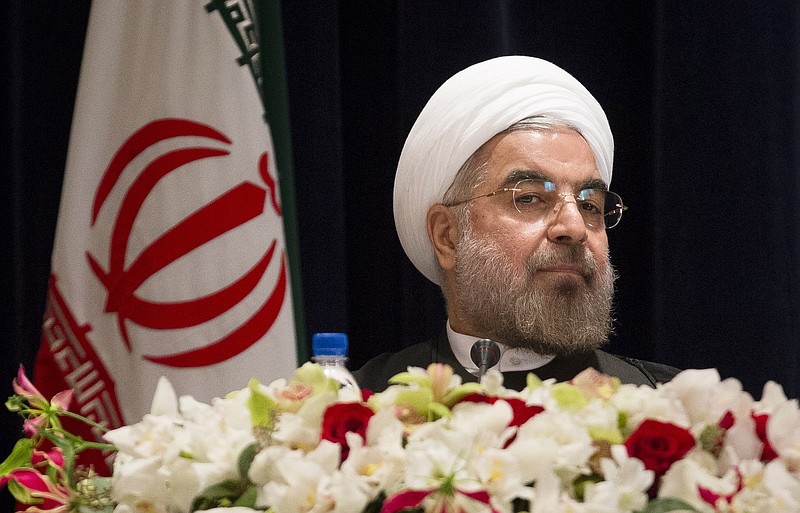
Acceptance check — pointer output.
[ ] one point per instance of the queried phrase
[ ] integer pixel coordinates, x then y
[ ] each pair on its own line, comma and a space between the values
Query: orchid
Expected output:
431, 392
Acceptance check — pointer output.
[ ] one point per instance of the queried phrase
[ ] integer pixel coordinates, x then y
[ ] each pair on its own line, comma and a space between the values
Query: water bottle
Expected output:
330, 353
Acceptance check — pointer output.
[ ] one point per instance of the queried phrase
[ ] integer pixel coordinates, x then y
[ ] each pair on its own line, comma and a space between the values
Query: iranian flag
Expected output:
170, 256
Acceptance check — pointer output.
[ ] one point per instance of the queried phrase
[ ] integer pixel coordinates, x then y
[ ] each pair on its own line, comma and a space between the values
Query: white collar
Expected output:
511, 358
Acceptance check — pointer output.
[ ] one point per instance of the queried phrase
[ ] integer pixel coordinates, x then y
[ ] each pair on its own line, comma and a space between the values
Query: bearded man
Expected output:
501, 197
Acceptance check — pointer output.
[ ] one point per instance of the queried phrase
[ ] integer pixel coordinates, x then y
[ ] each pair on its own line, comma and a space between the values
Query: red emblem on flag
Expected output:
240, 204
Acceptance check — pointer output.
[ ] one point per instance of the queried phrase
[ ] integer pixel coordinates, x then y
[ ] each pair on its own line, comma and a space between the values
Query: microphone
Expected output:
485, 354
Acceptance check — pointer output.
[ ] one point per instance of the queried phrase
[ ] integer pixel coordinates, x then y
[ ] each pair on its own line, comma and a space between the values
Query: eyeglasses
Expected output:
534, 199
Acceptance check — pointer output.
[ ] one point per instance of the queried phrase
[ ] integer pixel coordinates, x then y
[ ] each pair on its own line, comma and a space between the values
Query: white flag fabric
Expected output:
170, 254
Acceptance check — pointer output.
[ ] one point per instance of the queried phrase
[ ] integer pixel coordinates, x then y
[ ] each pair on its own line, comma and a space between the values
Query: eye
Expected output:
527, 198
592, 202
591, 207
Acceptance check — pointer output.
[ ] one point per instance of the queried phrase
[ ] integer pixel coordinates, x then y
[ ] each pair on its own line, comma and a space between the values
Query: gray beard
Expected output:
502, 304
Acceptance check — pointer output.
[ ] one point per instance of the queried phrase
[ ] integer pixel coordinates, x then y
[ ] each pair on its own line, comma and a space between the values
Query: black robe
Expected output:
375, 374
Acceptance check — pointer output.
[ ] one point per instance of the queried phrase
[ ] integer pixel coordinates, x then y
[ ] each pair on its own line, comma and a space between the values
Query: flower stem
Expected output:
83, 419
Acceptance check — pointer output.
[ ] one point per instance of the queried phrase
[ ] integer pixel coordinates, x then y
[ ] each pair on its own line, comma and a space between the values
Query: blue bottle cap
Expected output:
329, 344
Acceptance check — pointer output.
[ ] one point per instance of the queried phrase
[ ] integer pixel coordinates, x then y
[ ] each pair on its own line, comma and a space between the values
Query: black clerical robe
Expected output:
375, 374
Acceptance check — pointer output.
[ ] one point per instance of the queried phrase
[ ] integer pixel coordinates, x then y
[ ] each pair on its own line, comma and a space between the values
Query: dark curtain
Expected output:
702, 99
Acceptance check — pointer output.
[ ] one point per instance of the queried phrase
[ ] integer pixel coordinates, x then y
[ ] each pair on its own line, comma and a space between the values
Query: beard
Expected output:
558, 316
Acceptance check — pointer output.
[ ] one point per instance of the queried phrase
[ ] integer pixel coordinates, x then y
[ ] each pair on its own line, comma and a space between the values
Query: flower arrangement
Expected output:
427, 443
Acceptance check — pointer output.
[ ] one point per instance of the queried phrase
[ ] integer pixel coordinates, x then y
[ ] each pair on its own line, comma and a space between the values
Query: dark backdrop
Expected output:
702, 98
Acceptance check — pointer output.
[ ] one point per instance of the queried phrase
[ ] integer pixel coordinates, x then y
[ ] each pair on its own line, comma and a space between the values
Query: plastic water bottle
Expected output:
330, 353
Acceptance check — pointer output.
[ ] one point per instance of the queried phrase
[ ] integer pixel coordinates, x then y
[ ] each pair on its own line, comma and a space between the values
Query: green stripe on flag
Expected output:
276, 106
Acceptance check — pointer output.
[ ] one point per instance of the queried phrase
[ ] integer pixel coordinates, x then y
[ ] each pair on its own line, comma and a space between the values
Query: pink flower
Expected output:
55, 498
52, 457
41, 410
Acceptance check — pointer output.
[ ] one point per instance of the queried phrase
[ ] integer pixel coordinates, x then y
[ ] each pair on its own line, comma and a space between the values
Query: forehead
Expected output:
559, 155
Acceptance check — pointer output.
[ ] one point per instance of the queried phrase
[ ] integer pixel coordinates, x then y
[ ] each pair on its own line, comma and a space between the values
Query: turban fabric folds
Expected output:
470, 108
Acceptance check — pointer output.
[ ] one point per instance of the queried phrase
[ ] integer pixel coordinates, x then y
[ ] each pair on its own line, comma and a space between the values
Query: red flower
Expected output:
342, 418
659, 444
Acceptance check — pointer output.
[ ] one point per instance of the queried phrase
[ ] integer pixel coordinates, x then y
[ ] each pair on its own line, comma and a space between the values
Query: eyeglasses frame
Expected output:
617, 212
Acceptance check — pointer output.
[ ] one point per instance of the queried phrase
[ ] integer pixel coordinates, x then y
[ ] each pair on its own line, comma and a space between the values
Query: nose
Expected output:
566, 223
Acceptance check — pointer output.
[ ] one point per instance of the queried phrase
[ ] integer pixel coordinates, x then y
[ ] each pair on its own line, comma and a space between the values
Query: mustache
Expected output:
563, 255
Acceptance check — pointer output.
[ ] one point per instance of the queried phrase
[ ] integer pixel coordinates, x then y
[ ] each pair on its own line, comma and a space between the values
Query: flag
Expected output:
170, 256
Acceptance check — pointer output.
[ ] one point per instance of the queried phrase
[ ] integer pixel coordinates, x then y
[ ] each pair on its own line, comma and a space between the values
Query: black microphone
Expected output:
485, 354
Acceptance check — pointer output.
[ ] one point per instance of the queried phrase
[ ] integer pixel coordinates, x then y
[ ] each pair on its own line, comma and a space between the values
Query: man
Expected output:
501, 198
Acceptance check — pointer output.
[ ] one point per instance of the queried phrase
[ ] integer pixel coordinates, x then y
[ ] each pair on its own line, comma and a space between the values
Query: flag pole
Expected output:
276, 107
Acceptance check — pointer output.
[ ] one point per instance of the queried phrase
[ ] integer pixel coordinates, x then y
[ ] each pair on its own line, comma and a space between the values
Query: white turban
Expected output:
470, 108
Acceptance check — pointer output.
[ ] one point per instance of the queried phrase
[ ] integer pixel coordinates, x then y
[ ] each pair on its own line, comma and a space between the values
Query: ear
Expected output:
443, 234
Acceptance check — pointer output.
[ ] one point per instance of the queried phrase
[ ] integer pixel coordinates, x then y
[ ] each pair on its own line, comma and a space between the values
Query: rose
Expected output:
342, 418
659, 444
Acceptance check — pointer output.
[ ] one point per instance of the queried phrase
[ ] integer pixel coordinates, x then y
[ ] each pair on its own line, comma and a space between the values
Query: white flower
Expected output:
235, 509
685, 478
772, 396
705, 397
552, 440
782, 489
177, 451
377, 464
498, 473
625, 483
297, 482
741, 440
548, 496
492, 382
468, 459
482, 425
783, 433
639, 403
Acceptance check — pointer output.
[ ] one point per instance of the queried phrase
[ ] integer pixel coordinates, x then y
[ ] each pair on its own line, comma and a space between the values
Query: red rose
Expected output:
342, 418
659, 444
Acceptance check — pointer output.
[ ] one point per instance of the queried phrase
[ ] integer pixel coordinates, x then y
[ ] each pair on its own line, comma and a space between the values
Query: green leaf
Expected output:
248, 498
375, 505
667, 504
246, 458
222, 494
262, 407
20, 456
